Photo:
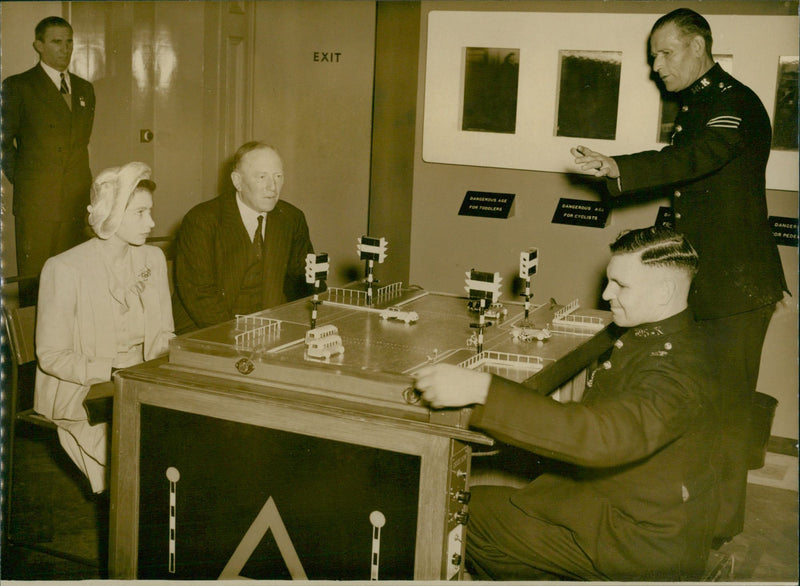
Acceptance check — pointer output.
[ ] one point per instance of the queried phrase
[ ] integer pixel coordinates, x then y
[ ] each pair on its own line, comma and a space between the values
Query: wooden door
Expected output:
172, 91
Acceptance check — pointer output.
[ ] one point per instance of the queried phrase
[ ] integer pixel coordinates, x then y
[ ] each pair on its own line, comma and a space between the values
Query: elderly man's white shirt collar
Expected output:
55, 76
250, 218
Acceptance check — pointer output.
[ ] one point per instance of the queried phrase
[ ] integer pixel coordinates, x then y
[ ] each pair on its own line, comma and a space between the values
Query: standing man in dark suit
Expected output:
47, 114
241, 252
715, 172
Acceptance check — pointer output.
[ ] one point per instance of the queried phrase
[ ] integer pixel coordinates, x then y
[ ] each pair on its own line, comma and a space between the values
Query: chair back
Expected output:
21, 327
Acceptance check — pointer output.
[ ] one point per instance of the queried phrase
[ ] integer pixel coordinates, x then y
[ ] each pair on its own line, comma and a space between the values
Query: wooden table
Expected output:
300, 469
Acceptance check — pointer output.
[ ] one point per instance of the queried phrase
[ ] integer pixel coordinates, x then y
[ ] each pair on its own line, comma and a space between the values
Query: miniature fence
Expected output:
359, 298
348, 296
580, 325
389, 291
504, 364
566, 310
256, 331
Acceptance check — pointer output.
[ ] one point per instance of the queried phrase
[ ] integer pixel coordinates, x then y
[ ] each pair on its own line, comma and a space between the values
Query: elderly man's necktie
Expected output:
65, 91
258, 238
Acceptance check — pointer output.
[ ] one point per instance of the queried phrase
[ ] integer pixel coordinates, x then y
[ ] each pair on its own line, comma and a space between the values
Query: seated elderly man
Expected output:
637, 499
241, 252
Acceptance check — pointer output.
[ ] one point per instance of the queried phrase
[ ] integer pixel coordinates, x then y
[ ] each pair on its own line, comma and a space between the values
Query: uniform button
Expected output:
677, 215
721, 85
684, 108
677, 193
618, 343
607, 364
668, 346
678, 128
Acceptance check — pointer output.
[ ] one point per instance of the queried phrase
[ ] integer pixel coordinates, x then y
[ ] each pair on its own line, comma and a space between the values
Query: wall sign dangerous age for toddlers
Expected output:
486, 204
580, 212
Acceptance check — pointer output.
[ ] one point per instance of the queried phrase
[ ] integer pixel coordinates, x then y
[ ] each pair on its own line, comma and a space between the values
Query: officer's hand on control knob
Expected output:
447, 385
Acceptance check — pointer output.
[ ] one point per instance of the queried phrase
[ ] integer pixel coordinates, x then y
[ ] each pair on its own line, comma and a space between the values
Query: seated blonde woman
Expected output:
103, 305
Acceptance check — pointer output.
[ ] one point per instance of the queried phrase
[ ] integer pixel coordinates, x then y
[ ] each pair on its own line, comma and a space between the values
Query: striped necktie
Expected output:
65, 91
258, 238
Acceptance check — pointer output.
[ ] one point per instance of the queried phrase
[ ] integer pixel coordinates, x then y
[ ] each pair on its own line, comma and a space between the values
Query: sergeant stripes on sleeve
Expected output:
724, 122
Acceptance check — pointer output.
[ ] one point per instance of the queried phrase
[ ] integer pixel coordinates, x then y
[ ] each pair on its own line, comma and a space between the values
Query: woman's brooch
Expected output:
142, 277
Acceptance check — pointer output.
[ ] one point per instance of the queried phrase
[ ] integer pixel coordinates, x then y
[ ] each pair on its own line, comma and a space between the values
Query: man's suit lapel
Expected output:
276, 234
232, 222
234, 242
80, 99
49, 92
277, 243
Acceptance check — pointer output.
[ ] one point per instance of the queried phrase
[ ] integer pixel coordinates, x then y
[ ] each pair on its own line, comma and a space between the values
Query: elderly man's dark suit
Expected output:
714, 170
214, 254
46, 158
639, 499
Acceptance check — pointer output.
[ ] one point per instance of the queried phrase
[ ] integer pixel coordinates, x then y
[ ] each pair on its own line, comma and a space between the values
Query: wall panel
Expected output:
313, 100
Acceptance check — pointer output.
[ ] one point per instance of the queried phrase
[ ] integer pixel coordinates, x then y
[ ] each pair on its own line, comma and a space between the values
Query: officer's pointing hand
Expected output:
594, 162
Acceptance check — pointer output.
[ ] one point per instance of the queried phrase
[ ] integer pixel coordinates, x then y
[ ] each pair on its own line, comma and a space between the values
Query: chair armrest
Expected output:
99, 402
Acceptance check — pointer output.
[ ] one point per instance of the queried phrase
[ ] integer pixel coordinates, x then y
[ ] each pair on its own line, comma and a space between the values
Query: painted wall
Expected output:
572, 259
393, 133
312, 91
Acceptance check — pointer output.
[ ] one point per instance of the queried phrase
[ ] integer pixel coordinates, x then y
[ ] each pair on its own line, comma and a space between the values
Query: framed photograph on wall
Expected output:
588, 93
491, 79
580, 79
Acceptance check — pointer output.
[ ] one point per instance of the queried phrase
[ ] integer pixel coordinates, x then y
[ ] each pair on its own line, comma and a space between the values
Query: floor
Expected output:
52, 505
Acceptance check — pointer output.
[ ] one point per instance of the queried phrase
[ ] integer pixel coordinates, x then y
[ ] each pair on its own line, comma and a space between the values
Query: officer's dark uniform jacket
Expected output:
714, 170
642, 499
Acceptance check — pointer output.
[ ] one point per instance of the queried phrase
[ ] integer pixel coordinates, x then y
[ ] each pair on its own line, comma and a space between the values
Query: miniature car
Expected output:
529, 334
494, 311
400, 315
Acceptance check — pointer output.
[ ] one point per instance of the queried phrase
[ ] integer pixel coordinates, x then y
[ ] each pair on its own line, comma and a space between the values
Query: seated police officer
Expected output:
637, 499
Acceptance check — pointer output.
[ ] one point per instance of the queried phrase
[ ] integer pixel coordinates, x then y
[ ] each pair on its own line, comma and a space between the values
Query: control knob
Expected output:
463, 496
461, 517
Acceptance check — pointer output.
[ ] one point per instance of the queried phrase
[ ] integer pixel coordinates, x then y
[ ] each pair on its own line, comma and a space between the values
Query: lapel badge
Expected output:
82, 101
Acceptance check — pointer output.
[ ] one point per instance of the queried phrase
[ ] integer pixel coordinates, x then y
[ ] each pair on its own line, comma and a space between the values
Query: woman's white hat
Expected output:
111, 191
